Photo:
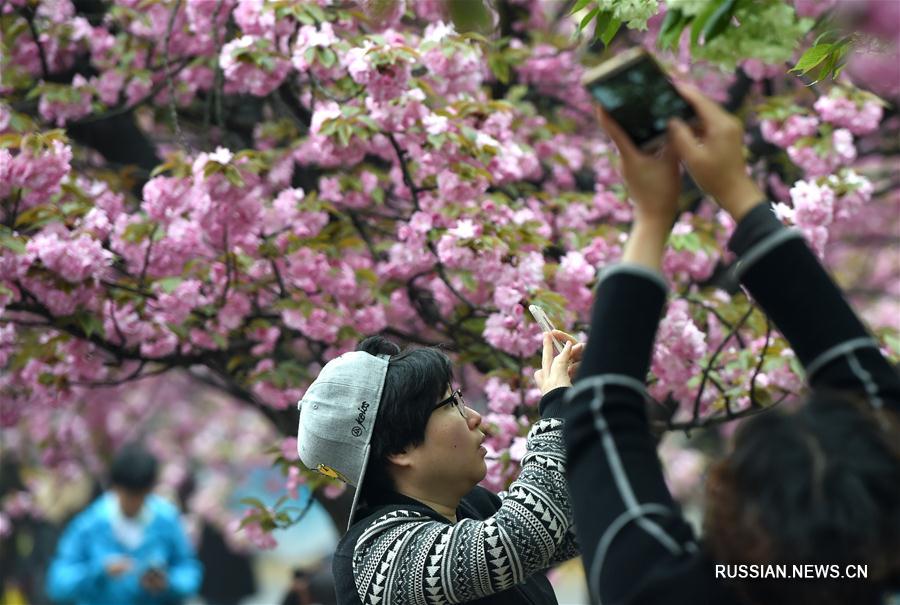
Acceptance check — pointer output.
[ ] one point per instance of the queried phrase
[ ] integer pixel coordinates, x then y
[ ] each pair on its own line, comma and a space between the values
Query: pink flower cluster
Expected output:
254, 532
572, 280
509, 332
384, 78
458, 72
680, 346
312, 37
786, 133
74, 260
501, 398
38, 176
859, 118
256, 18
60, 106
824, 157
251, 65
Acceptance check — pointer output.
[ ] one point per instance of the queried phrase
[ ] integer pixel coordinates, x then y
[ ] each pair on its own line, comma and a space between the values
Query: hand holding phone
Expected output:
653, 181
635, 91
544, 322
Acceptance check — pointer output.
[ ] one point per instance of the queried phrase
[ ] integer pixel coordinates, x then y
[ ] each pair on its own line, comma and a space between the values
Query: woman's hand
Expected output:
653, 181
714, 154
558, 371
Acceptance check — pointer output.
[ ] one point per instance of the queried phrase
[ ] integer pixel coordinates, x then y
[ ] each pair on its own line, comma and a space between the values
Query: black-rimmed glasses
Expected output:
456, 400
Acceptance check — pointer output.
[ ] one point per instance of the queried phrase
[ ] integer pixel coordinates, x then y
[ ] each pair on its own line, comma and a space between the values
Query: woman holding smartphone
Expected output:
819, 486
393, 424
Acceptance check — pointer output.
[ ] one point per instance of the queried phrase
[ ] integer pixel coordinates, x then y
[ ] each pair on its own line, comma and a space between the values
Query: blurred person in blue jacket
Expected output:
128, 547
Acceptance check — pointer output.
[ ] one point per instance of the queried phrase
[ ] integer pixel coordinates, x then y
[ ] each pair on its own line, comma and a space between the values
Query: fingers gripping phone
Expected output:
541, 317
636, 92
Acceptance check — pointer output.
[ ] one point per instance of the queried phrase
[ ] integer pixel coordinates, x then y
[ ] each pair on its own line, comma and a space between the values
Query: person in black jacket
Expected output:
819, 486
392, 424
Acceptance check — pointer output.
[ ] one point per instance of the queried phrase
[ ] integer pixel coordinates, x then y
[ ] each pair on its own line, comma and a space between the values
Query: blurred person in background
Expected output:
128, 547
299, 592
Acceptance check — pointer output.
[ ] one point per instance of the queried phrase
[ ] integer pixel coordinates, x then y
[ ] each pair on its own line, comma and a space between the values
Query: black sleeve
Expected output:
552, 402
790, 284
630, 530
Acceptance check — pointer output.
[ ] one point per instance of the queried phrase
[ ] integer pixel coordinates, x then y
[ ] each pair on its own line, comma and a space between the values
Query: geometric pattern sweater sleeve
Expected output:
407, 558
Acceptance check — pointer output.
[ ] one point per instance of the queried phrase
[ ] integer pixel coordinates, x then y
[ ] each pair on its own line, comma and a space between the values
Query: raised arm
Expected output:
783, 274
630, 531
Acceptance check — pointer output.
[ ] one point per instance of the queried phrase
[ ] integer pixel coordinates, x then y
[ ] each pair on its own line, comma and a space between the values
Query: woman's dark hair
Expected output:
818, 486
133, 468
416, 379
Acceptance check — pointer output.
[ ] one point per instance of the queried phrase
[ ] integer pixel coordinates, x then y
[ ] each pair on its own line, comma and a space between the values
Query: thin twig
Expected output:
414, 192
228, 268
364, 235
132, 289
116, 326
173, 111
143, 275
11, 219
212, 95
282, 291
330, 95
716, 420
404, 169
762, 356
708, 368
28, 14
126, 108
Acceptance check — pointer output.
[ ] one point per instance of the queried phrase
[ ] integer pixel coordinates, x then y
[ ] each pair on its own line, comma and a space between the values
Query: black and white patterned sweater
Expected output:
401, 552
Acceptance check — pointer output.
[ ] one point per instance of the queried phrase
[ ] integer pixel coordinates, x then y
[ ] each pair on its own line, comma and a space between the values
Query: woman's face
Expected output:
451, 457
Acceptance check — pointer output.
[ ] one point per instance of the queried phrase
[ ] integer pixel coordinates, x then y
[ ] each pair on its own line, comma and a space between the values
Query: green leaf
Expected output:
499, 67
327, 57
670, 21
90, 324
611, 31
602, 23
719, 20
672, 26
701, 18
588, 18
10, 139
168, 284
11, 242
578, 6
469, 15
234, 176
812, 57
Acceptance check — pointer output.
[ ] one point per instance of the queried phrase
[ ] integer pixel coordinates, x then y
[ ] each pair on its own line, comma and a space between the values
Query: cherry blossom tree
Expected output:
230, 193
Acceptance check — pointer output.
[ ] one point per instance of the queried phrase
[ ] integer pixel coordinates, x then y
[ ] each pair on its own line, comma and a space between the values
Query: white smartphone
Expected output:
541, 317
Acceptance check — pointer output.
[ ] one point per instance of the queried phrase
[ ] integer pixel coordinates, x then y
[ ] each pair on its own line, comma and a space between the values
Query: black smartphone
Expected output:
636, 92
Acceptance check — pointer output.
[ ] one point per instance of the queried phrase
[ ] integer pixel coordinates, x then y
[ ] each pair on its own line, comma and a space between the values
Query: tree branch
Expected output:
173, 111
28, 13
762, 357
715, 355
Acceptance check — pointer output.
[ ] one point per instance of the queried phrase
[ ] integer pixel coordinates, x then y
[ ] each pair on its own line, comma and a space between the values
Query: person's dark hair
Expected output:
818, 486
416, 379
133, 468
